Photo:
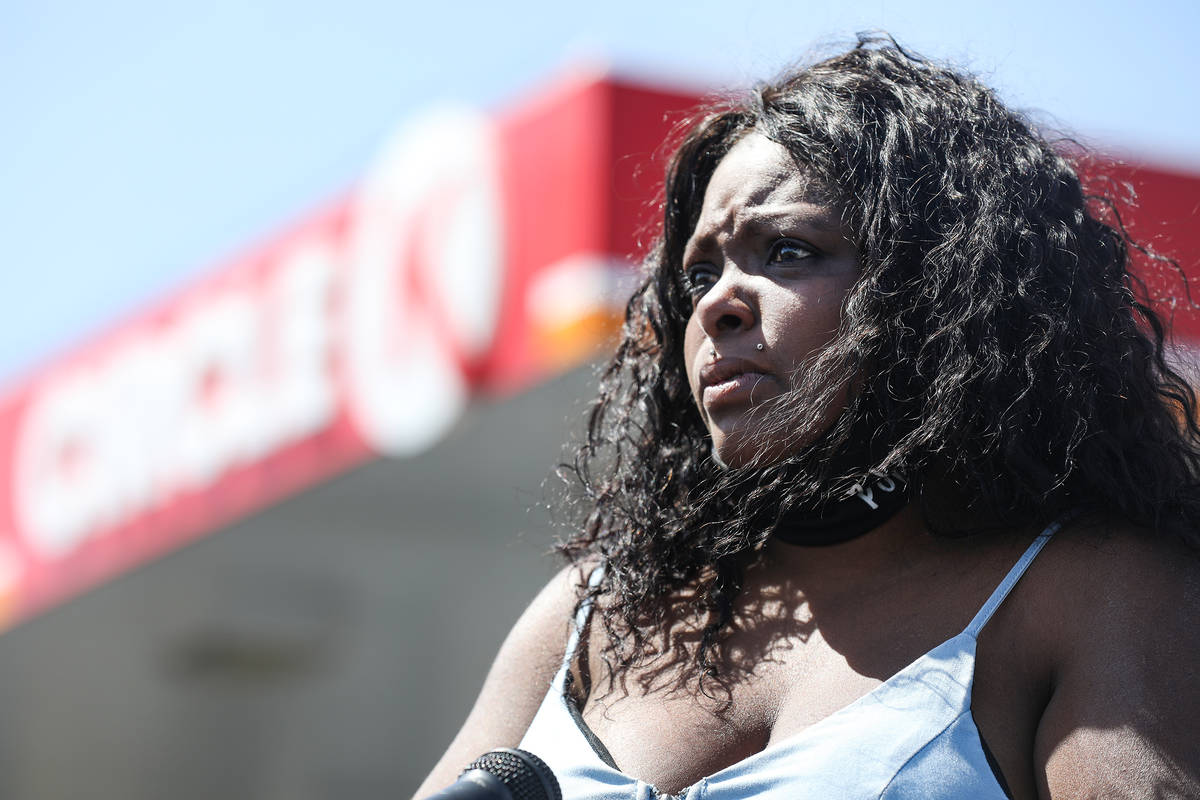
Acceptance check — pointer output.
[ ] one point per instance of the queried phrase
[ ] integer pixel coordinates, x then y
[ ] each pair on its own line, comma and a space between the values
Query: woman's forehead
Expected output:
760, 170
759, 182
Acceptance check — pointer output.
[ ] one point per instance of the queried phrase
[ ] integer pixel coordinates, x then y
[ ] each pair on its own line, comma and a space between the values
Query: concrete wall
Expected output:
326, 648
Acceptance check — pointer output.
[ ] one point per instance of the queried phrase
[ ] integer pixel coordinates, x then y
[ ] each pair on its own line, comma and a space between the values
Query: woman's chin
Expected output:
747, 437
758, 439
738, 452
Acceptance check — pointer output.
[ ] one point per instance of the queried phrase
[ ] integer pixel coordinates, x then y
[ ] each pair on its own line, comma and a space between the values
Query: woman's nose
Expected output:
727, 305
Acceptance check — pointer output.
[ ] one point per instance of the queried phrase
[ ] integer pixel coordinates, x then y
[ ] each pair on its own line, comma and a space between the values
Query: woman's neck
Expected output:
900, 541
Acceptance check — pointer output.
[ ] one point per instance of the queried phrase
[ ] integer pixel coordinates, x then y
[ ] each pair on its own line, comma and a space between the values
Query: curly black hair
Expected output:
1007, 358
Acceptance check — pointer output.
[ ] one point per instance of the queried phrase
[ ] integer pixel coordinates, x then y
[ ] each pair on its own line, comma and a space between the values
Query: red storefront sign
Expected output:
480, 254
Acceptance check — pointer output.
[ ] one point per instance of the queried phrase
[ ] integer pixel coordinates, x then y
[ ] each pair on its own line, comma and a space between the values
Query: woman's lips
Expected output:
737, 388
730, 380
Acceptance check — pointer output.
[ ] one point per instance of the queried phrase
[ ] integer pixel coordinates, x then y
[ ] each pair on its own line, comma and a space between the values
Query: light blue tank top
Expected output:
911, 737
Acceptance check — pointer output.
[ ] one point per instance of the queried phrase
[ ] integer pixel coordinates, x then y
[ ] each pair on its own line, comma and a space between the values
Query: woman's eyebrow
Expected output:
703, 243
761, 221
811, 215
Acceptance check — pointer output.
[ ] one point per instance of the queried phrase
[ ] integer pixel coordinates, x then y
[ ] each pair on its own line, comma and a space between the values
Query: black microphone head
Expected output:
524, 775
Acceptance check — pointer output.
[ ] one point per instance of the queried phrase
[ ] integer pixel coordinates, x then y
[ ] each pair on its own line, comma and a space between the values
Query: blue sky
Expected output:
144, 142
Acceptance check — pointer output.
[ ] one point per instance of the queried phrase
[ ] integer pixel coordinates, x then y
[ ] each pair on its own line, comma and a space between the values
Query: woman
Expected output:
890, 490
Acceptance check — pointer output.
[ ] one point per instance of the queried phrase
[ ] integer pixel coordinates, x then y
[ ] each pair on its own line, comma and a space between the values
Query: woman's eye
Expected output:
699, 278
789, 251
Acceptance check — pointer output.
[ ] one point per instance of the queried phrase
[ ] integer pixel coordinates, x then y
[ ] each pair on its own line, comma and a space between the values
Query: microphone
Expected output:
504, 774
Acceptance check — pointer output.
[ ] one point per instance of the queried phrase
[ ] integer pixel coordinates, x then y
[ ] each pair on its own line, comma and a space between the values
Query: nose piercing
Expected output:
758, 346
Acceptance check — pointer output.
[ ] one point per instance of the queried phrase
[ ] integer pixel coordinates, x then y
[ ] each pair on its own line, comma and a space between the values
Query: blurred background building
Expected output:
300, 309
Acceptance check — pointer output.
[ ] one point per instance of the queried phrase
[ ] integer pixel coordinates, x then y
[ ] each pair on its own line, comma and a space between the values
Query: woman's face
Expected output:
769, 264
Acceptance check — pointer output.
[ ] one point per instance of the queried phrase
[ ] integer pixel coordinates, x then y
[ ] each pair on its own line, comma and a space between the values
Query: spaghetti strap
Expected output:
1014, 575
581, 618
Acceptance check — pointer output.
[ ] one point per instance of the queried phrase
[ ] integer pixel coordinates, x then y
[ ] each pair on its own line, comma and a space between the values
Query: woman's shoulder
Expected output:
1115, 606
1103, 568
543, 629
535, 647
1105, 583
519, 677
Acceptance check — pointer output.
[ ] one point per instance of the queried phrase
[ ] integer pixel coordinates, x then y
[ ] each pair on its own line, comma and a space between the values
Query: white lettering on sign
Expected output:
215, 390
229, 379
245, 368
59, 468
297, 369
426, 269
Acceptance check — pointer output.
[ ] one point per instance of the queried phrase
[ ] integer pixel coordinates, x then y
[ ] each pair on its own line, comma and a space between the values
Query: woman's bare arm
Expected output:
516, 683
1123, 720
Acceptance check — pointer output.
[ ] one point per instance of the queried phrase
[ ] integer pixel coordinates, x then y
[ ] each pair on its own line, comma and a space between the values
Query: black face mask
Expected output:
873, 503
